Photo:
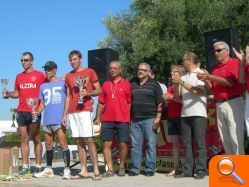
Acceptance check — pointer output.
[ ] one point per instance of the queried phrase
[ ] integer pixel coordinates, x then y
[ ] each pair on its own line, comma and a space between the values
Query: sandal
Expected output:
80, 176
96, 177
108, 174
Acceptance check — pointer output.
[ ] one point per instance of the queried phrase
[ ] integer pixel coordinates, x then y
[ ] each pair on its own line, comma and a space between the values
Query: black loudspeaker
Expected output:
99, 60
229, 35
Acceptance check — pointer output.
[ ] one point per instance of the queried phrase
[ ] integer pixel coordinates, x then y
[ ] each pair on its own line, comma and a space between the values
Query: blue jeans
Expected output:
142, 131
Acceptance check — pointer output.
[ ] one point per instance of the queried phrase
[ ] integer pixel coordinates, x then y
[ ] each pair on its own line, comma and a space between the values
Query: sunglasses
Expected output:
219, 50
25, 60
48, 69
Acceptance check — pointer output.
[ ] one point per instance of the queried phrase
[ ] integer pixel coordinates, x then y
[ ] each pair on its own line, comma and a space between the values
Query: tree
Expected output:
160, 31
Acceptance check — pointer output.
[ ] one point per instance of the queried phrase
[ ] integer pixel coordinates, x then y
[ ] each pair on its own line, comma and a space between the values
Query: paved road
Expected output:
158, 180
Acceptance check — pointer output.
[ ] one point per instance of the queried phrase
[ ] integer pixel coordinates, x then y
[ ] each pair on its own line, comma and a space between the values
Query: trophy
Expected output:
33, 103
4, 89
13, 112
81, 83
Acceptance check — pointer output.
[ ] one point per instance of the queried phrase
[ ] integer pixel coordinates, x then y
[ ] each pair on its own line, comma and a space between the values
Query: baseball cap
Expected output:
50, 65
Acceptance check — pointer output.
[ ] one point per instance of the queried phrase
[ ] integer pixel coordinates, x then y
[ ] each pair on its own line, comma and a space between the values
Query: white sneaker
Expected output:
46, 173
66, 174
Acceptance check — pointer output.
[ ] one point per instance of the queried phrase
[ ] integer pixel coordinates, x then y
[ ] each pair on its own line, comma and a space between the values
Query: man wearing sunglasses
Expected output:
52, 99
228, 97
27, 85
146, 109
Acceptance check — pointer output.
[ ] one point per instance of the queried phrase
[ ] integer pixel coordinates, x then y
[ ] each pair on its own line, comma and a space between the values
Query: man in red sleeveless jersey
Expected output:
27, 85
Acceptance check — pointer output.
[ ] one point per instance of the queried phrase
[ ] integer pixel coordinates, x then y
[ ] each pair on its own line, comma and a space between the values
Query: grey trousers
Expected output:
194, 127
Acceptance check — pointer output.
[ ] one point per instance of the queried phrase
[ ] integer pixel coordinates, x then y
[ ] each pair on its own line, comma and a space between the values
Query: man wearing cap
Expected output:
79, 108
27, 85
52, 99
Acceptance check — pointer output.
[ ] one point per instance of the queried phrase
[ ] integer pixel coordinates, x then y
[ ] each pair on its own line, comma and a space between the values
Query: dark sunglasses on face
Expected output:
48, 69
25, 60
219, 50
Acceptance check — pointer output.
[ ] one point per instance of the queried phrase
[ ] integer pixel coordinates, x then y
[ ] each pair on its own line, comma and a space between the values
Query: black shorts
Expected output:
115, 131
174, 126
25, 118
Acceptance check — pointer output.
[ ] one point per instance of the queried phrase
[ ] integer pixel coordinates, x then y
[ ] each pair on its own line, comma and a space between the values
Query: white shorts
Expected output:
81, 124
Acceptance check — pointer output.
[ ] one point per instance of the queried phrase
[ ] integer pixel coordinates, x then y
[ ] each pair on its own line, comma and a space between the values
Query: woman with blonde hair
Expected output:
174, 107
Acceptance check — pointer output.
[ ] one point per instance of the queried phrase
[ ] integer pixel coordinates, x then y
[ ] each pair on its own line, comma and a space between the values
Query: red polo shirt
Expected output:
116, 98
174, 108
230, 70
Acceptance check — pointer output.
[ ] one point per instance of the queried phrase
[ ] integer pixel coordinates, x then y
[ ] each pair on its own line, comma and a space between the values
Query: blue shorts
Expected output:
174, 126
115, 131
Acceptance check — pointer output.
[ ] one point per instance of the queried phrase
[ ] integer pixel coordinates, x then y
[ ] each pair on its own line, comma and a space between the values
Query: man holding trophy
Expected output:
81, 84
27, 85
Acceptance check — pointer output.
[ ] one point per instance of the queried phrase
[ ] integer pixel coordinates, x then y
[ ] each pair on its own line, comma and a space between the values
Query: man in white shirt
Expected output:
193, 115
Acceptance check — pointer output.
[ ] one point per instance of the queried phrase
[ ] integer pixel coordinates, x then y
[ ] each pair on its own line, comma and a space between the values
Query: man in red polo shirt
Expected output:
114, 112
228, 96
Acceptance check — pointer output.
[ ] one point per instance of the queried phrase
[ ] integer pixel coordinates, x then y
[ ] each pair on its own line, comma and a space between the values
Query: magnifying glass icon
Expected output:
226, 167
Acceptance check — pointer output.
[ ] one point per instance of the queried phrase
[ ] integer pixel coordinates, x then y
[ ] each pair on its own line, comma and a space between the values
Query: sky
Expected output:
49, 29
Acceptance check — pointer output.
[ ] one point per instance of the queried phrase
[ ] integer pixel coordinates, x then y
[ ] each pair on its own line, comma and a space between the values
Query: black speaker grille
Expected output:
99, 60
228, 35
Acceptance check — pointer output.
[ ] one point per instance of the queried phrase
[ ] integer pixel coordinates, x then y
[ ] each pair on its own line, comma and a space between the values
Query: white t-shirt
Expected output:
163, 87
193, 105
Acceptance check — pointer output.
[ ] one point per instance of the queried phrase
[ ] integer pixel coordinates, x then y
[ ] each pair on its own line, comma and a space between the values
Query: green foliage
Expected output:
160, 31
98, 143
16, 138
12, 138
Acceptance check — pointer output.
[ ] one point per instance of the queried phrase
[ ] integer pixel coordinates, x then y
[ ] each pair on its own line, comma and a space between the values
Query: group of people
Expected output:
227, 85
58, 100
132, 111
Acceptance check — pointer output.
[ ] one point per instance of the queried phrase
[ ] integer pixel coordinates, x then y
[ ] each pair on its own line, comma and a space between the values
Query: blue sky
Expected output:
49, 29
